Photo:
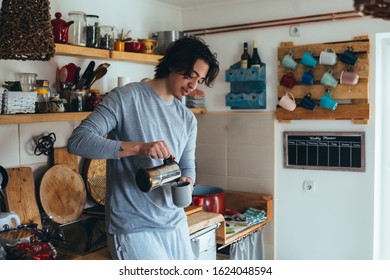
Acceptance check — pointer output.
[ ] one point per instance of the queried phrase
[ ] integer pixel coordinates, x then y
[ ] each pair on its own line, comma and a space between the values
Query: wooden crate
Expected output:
241, 201
352, 99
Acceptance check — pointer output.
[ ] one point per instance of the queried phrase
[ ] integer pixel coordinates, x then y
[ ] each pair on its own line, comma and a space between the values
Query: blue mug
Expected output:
307, 77
308, 103
348, 57
308, 59
327, 101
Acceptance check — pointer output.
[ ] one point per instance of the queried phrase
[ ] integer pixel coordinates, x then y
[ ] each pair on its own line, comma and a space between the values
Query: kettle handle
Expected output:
168, 160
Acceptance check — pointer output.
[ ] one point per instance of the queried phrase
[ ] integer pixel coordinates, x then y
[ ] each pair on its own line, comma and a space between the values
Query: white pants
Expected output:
151, 245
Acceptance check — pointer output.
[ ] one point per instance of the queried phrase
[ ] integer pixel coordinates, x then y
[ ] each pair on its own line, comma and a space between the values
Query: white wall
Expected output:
336, 221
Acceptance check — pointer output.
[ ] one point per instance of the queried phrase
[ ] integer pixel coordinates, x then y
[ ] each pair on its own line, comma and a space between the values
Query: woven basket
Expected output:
25, 31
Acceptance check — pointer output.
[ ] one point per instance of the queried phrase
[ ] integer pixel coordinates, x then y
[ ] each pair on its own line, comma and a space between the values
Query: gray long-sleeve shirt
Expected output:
136, 113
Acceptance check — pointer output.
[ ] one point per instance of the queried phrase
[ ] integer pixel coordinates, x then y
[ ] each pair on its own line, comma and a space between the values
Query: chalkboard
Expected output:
344, 151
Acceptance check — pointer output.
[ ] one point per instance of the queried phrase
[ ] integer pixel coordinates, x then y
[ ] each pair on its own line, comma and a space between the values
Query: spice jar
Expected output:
93, 31
42, 101
78, 30
76, 101
106, 37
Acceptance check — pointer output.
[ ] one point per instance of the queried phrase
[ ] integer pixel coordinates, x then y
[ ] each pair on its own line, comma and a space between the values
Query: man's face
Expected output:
181, 85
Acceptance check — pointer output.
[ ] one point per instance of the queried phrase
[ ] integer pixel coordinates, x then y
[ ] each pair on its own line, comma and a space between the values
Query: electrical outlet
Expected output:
308, 186
295, 30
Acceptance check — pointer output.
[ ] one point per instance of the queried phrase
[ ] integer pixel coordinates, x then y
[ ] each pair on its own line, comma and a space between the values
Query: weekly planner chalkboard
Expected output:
344, 151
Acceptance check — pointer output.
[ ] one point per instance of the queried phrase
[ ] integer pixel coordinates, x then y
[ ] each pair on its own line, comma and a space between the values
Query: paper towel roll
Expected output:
123, 81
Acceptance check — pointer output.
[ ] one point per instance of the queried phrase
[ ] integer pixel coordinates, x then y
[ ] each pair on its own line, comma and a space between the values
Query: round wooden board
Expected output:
62, 193
94, 174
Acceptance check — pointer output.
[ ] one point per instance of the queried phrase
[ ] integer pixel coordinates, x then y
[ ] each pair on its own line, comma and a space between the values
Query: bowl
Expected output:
213, 198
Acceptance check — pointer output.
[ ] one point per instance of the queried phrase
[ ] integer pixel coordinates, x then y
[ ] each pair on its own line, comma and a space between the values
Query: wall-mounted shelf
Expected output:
58, 117
69, 50
353, 99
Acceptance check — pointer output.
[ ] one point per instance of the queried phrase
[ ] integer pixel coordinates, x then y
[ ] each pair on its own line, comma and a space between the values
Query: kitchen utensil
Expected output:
3, 185
61, 156
62, 193
151, 178
20, 195
94, 175
87, 75
213, 198
71, 72
60, 29
77, 75
164, 38
98, 75
63, 74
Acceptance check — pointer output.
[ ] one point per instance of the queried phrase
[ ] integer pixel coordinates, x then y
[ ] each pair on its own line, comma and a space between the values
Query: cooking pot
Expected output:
164, 38
213, 198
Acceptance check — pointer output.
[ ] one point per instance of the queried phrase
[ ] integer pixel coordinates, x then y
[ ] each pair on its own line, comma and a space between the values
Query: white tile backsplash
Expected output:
9, 145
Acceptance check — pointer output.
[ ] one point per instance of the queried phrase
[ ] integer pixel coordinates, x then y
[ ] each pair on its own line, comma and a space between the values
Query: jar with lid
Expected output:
78, 30
28, 81
44, 84
93, 31
42, 101
106, 37
76, 101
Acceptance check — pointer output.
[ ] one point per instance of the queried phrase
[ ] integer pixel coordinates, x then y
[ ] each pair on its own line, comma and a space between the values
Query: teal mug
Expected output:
329, 80
308, 59
288, 61
348, 57
327, 101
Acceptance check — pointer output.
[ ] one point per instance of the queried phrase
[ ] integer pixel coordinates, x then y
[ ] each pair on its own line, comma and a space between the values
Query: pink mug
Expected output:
349, 78
288, 101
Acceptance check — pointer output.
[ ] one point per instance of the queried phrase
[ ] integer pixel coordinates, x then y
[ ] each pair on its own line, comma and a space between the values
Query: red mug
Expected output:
134, 46
288, 80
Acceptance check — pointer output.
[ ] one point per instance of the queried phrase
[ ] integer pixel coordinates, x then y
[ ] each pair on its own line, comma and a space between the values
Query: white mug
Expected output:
328, 57
8, 219
288, 101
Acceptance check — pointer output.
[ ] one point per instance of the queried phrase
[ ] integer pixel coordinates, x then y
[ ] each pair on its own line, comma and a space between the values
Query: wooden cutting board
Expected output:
20, 195
61, 156
94, 175
63, 194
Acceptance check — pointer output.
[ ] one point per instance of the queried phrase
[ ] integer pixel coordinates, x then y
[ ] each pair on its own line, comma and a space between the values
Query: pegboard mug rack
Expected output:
353, 99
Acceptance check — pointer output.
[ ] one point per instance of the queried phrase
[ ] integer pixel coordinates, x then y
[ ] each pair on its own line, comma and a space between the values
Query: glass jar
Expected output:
76, 101
78, 30
44, 84
93, 31
106, 37
42, 102
28, 81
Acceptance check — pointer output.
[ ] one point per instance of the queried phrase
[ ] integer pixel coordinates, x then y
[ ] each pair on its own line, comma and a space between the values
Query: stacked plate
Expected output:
18, 102
196, 99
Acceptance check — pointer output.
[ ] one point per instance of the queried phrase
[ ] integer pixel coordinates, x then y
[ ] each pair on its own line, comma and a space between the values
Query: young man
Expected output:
145, 123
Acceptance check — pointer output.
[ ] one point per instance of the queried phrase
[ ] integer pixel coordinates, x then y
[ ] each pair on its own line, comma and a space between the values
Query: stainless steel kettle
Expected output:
150, 178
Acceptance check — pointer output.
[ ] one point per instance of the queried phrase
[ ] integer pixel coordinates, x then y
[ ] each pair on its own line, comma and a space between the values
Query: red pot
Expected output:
134, 46
213, 198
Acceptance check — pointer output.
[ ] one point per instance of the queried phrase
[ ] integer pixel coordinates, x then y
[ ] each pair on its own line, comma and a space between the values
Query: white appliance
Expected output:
204, 243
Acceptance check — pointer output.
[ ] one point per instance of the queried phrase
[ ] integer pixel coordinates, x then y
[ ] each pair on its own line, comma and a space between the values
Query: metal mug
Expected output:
288, 80
308, 103
288, 101
327, 101
288, 61
328, 79
328, 57
308, 59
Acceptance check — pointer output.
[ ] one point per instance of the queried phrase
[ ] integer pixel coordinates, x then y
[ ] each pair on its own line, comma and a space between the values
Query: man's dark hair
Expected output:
181, 56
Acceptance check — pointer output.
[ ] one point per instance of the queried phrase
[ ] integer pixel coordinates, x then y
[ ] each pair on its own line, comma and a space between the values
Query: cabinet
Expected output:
68, 50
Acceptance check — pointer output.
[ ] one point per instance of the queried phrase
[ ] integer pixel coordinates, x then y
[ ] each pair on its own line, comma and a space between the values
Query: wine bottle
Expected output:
255, 60
245, 57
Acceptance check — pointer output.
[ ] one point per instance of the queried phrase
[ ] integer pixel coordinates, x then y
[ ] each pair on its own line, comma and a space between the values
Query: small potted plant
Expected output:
120, 39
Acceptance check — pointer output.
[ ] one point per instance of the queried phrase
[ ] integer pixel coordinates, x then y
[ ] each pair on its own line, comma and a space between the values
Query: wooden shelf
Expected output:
57, 117
84, 52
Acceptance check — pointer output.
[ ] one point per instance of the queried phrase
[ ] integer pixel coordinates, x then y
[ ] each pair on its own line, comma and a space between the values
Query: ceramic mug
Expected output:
150, 45
288, 80
308, 59
308, 103
288, 61
328, 57
349, 77
307, 77
349, 57
288, 101
328, 102
181, 193
8, 219
328, 79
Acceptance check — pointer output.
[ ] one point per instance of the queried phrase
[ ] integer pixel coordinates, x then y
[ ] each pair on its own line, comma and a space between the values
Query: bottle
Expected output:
245, 57
93, 31
255, 60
